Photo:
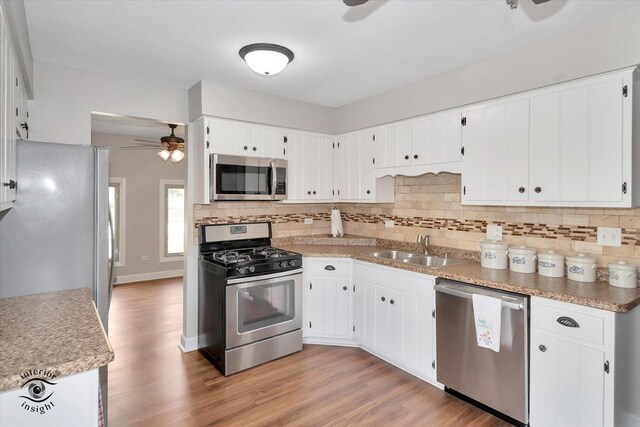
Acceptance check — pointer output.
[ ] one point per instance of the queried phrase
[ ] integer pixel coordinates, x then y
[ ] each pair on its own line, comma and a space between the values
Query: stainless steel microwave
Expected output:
247, 178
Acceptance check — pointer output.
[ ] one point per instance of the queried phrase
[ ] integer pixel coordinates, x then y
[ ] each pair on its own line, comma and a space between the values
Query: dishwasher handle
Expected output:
467, 295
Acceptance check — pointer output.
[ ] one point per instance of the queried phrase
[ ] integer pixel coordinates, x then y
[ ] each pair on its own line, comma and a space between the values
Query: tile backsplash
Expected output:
431, 204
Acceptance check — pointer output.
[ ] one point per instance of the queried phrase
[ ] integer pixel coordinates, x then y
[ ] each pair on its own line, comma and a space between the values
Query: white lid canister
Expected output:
494, 244
581, 259
521, 250
623, 266
550, 256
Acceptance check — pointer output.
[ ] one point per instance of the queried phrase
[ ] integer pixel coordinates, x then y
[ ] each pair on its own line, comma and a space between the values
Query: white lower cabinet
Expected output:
72, 401
327, 301
386, 311
393, 316
585, 366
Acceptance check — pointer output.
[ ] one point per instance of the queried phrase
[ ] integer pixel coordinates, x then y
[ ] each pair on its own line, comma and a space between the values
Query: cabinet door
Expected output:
398, 144
567, 383
354, 165
380, 147
605, 140
346, 168
324, 164
3, 111
367, 171
382, 320
436, 139
577, 142
359, 313
311, 167
419, 321
370, 310
295, 166
395, 306
496, 143
224, 138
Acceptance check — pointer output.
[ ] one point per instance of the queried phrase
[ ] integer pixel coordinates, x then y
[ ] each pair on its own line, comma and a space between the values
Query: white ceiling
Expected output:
342, 54
134, 126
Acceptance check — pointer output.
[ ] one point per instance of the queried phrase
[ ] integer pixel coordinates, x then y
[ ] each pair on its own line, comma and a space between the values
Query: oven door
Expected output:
262, 307
247, 178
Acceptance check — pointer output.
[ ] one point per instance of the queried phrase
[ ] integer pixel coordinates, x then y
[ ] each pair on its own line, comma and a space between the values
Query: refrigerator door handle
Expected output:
112, 262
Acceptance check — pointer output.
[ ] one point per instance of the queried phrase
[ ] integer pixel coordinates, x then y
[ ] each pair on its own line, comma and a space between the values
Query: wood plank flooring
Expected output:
152, 383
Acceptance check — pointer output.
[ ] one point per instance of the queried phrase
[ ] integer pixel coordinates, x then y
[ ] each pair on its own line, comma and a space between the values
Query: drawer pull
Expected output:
329, 267
568, 322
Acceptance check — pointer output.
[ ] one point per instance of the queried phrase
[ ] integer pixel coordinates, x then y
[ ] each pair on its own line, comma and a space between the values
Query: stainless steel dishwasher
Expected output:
498, 380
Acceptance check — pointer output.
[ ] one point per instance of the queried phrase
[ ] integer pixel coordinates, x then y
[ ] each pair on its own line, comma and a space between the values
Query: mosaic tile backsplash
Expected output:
431, 204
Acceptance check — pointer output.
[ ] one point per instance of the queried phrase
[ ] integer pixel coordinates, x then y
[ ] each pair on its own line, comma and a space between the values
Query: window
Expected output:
116, 210
172, 219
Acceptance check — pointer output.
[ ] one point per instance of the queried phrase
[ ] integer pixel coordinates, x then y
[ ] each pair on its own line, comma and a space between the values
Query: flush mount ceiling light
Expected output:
265, 58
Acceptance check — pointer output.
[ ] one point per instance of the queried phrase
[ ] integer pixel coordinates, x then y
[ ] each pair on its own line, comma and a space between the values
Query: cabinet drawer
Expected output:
581, 326
328, 267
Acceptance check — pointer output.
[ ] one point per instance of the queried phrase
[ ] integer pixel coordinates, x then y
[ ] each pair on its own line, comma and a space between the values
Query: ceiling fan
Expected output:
512, 3
171, 146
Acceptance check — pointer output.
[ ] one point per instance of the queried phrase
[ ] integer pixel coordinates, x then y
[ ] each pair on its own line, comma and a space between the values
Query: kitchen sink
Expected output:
431, 261
395, 255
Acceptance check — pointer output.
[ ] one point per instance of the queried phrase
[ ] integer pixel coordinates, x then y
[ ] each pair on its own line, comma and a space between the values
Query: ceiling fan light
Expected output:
266, 59
164, 154
177, 156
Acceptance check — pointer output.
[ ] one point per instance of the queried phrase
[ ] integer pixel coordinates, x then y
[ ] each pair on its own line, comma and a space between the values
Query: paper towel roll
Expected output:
336, 223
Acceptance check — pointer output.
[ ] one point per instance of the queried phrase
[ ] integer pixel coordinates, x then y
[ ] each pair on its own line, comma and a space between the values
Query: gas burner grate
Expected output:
230, 257
269, 252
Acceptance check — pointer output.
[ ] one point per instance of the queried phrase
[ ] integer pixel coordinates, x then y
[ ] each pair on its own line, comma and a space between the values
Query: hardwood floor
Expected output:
151, 382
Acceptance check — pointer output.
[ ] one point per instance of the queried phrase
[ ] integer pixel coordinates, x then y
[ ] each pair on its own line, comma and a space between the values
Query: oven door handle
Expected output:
264, 277
274, 178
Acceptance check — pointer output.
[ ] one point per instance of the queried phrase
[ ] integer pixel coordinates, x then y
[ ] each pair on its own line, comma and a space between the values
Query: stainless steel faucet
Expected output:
423, 239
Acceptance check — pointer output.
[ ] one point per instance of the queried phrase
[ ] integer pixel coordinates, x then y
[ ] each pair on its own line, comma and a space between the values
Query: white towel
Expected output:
336, 223
487, 312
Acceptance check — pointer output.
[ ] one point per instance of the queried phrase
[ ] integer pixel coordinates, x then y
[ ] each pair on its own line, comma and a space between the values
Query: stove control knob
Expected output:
293, 263
242, 270
283, 264
251, 269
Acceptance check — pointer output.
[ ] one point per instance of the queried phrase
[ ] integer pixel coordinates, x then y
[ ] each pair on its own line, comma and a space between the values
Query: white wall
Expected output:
65, 97
604, 47
212, 99
142, 170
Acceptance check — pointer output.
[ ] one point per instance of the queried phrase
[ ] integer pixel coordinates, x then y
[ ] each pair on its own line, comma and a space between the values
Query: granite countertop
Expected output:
57, 331
598, 295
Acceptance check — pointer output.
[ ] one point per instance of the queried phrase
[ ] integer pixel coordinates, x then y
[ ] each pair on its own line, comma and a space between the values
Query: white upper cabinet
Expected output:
496, 144
245, 139
437, 138
12, 116
577, 143
310, 167
567, 145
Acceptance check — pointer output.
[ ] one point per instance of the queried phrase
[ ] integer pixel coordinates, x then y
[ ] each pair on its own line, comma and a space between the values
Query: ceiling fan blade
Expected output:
539, 1
148, 142
139, 147
352, 3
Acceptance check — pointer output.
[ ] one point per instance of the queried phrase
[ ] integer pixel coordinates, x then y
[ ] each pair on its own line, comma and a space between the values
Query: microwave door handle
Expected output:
274, 178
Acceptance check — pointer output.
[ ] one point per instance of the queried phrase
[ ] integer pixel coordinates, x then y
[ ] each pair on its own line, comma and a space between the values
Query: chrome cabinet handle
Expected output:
329, 267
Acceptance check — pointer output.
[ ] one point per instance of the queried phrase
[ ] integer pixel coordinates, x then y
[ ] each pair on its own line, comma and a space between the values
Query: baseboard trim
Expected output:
340, 342
188, 344
148, 276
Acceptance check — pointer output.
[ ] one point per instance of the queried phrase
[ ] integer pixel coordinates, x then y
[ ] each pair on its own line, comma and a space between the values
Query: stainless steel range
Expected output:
250, 297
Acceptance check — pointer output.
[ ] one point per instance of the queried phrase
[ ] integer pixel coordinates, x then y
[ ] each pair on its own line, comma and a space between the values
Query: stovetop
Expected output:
253, 261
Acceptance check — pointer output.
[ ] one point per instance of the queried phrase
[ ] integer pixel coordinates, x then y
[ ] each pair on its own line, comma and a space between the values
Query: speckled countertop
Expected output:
598, 295
56, 331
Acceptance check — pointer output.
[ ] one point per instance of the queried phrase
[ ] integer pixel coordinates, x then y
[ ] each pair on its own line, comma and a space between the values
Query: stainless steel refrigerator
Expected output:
57, 234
